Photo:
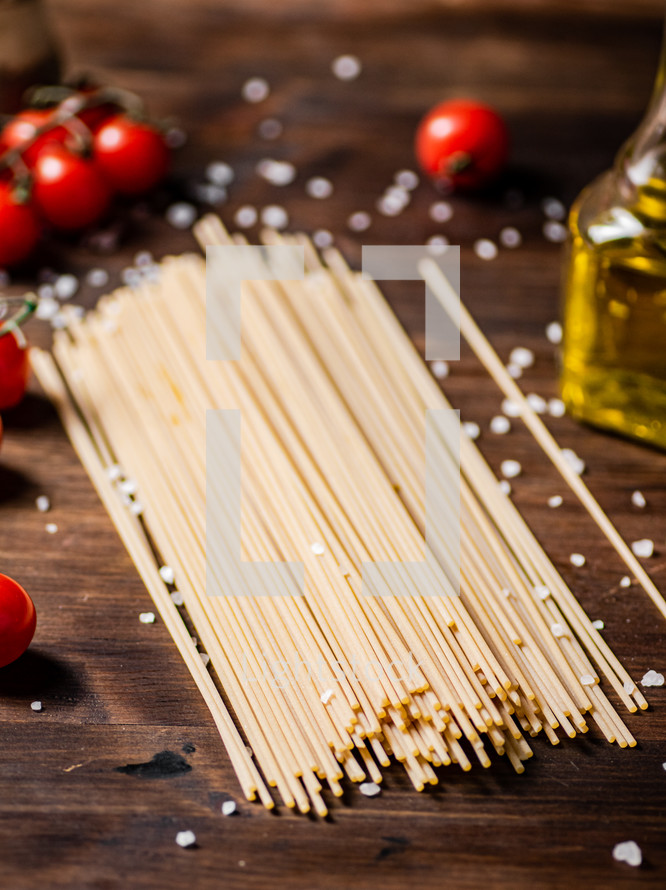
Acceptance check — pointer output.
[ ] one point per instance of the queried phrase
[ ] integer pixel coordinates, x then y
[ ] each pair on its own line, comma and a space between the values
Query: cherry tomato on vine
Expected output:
18, 620
132, 155
14, 369
462, 143
23, 127
19, 228
68, 189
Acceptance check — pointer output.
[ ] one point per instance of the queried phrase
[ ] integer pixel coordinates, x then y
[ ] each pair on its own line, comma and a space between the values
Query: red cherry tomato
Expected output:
132, 156
462, 143
18, 620
14, 369
19, 229
22, 128
68, 189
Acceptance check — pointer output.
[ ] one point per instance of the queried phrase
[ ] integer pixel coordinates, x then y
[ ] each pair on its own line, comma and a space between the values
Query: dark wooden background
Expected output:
572, 80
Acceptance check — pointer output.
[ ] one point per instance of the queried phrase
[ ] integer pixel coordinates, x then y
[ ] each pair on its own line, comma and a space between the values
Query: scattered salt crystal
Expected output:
175, 137
167, 574
181, 215
58, 322
555, 500
598, 624
245, 217
536, 403
128, 486
274, 216
553, 209
506, 592
359, 222
485, 249
255, 89
643, 548
440, 369
208, 193
205, 657
514, 371
576, 463
556, 407
229, 808
558, 630
629, 852
511, 468
114, 472
186, 838
587, 680
652, 678
147, 618
131, 277
322, 238
346, 67
319, 187
629, 687
47, 309
510, 237
577, 559
45, 291
554, 231
43, 504
505, 487
276, 172
219, 173
522, 356
326, 696
437, 244
36, 705
390, 205
97, 277
143, 258
66, 286
369, 789
407, 179
441, 211
511, 408
542, 592
177, 598
554, 333
625, 581
270, 128
51, 528
317, 548
500, 425
136, 508
638, 499
472, 430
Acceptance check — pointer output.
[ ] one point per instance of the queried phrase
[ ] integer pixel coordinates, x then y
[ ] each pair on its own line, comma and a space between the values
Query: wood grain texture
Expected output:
572, 82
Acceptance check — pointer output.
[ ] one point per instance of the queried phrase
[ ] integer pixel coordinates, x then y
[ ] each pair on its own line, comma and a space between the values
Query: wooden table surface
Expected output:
572, 82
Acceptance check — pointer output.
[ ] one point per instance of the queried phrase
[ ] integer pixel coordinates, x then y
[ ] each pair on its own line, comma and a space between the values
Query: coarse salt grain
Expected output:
205, 658
625, 581
114, 472
175, 137
485, 249
555, 500
558, 630
652, 678
554, 231
522, 356
505, 487
270, 128
255, 89
472, 430
322, 238
181, 215
440, 211
326, 696
542, 592
359, 222
36, 706
514, 371
136, 508
556, 407
319, 187
576, 463
511, 408
369, 789
276, 172
274, 216
510, 469
500, 425
437, 244
587, 680
97, 277
51, 528
407, 179
128, 486
554, 333
66, 286
219, 173
229, 808
177, 598
638, 499
186, 838
147, 618
629, 852
167, 574
317, 548
577, 559
598, 624
43, 504
346, 67
440, 369
208, 193
629, 687
553, 209
390, 205
47, 309
510, 237
536, 403
643, 548
245, 217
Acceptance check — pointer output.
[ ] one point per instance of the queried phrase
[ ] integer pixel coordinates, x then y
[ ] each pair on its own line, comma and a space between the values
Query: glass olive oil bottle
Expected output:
614, 348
